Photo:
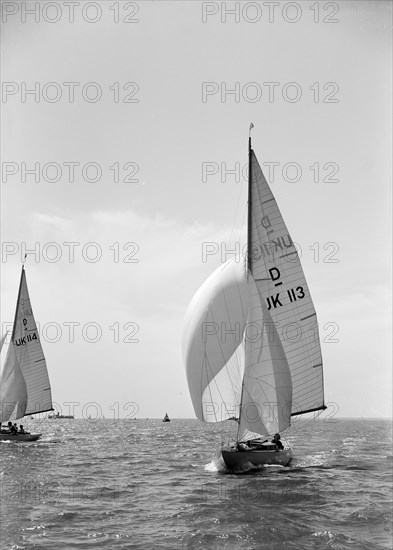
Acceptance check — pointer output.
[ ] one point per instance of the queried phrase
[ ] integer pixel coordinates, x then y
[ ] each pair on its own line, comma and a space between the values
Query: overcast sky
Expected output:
131, 113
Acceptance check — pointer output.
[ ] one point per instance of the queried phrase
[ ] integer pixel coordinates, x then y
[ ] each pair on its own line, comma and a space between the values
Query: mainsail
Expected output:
276, 268
24, 383
250, 339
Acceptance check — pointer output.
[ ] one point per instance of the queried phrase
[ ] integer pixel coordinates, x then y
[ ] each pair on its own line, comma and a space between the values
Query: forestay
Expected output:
267, 386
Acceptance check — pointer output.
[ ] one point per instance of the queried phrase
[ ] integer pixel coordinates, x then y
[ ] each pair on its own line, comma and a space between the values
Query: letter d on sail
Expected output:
265, 222
275, 274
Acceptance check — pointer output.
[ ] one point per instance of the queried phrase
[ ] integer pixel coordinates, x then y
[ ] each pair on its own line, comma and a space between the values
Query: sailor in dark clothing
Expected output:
21, 430
277, 442
13, 429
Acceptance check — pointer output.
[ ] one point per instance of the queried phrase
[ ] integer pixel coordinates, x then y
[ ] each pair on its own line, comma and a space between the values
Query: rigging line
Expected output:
235, 389
212, 377
240, 343
213, 380
209, 386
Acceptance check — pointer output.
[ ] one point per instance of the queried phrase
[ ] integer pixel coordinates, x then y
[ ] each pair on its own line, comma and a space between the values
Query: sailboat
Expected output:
166, 418
58, 416
24, 381
250, 338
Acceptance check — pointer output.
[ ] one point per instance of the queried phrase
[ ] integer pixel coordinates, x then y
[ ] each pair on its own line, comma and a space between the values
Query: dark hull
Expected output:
240, 459
19, 437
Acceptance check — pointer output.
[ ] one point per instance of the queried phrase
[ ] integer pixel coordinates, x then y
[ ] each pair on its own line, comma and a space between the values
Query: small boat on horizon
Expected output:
57, 416
250, 338
24, 382
166, 418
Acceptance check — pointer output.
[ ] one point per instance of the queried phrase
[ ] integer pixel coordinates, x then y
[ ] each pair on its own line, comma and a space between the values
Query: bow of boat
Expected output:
235, 459
19, 437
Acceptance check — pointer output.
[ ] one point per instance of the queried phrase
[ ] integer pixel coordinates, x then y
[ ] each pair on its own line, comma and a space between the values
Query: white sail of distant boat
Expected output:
250, 338
24, 380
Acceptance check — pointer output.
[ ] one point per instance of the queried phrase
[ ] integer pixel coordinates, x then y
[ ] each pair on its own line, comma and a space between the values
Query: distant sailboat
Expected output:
57, 416
250, 338
166, 418
24, 381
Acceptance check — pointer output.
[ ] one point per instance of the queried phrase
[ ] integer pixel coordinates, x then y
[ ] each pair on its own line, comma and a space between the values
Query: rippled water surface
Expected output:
145, 484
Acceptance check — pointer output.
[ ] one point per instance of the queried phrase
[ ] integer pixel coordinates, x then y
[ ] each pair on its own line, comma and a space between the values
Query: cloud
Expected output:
131, 275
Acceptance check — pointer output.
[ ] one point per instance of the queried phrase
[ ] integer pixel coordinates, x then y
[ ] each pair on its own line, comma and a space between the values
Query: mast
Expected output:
249, 201
17, 303
248, 252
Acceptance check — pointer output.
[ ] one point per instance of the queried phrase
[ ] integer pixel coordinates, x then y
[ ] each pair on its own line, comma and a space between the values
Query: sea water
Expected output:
145, 484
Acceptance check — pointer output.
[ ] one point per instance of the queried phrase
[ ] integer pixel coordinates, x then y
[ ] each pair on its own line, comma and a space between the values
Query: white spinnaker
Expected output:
213, 342
267, 386
277, 271
13, 390
29, 354
2, 341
